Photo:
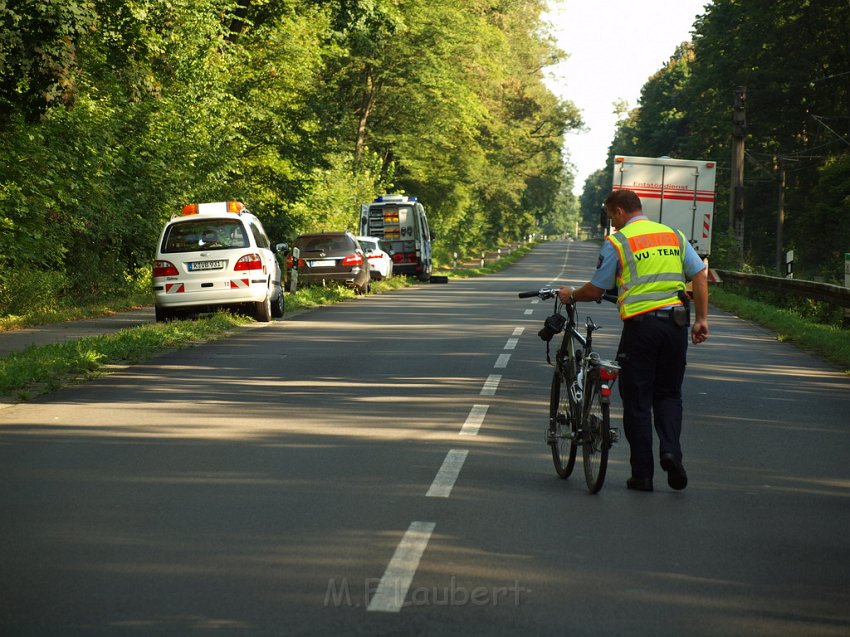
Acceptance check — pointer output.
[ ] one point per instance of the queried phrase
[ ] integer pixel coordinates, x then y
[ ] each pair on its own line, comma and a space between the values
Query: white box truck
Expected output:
676, 192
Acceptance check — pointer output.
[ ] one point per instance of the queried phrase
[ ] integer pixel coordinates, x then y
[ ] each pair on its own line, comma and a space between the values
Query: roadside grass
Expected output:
490, 268
70, 311
828, 341
40, 369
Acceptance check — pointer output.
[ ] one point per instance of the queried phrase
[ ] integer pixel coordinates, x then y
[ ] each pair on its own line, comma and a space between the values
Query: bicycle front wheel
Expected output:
562, 427
596, 438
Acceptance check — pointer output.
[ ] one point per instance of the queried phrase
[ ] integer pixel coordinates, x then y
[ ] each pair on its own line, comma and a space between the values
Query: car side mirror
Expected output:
281, 248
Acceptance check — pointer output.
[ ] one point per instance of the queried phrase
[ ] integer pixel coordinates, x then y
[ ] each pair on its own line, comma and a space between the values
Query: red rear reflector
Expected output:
607, 373
164, 268
249, 262
605, 391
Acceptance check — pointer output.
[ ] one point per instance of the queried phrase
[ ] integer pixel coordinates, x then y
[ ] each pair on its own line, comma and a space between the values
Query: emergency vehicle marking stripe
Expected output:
705, 196
393, 587
446, 477
491, 385
474, 420
706, 226
174, 288
239, 283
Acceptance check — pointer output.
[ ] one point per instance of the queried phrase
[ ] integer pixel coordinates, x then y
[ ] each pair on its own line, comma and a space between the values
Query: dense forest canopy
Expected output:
114, 113
793, 60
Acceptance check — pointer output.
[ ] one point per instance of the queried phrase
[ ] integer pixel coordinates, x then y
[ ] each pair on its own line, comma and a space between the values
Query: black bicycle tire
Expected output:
561, 425
596, 440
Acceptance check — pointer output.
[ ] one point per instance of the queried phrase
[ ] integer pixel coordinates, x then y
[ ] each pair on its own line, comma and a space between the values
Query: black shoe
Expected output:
676, 476
639, 484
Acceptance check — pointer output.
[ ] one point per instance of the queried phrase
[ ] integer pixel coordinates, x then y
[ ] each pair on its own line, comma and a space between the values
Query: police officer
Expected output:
649, 264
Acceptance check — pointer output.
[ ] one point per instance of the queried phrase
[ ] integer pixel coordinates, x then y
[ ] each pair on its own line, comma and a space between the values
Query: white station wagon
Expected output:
216, 255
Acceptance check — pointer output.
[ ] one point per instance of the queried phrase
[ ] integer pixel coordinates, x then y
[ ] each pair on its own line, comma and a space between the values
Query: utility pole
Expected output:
779, 173
736, 191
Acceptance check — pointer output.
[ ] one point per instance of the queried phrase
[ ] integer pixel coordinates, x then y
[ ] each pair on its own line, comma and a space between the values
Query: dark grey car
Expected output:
330, 257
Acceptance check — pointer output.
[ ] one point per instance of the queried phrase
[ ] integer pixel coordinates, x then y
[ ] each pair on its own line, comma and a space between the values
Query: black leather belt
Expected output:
665, 314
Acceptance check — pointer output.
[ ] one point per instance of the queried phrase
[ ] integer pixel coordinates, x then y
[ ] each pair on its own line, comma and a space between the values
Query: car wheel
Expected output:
278, 307
263, 310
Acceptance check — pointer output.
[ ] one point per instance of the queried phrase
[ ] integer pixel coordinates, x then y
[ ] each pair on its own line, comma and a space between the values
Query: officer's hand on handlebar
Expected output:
565, 293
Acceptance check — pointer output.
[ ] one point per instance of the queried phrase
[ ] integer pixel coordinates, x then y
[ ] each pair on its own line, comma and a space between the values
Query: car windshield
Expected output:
324, 244
205, 234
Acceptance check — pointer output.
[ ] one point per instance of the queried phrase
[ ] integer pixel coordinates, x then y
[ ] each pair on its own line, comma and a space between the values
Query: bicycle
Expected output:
580, 395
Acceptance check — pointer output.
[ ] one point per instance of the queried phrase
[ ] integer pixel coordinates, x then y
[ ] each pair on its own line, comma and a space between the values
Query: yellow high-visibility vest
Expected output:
652, 258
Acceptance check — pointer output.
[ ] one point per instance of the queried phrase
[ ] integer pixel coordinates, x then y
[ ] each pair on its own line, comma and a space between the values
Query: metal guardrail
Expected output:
835, 294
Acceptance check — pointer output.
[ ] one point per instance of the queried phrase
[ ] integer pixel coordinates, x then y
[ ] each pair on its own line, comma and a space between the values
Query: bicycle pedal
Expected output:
614, 435
550, 437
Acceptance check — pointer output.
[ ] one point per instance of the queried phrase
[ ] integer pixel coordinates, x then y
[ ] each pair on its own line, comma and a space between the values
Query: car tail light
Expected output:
352, 259
290, 262
249, 262
404, 257
164, 268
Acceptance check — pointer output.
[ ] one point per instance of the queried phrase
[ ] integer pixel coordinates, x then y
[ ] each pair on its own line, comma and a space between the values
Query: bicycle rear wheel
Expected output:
596, 437
562, 427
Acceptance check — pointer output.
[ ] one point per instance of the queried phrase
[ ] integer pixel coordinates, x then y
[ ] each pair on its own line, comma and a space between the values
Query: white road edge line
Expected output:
474, 420
502, 361
393, 587
491, 385
446, 477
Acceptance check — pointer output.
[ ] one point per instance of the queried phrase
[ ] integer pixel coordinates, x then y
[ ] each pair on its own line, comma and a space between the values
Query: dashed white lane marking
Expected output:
533, 301
528, 312
518, 331
511, 344
474, 420
446, 477
491, 385
502, 361
393, 587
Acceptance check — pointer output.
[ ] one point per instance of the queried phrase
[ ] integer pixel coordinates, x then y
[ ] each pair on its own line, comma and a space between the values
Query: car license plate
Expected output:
321, 263
194, 266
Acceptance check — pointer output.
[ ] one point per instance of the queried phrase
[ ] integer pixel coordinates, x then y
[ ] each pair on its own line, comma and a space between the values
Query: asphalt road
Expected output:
378, 467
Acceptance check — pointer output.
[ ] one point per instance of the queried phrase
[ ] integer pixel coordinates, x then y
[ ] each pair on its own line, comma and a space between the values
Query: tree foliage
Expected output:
793, 58
114, 113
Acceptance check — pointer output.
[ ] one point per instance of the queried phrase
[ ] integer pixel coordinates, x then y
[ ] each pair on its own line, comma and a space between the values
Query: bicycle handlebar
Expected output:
548, 293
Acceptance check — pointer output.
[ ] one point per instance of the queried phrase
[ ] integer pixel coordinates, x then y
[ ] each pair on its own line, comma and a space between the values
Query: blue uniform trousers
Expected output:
653, 355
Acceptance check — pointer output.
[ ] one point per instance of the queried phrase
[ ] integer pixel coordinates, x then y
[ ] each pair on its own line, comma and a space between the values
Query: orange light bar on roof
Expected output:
217, 207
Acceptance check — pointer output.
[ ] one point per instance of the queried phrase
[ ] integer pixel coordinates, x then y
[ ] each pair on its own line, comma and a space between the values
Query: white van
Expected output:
401, 226
216, 255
